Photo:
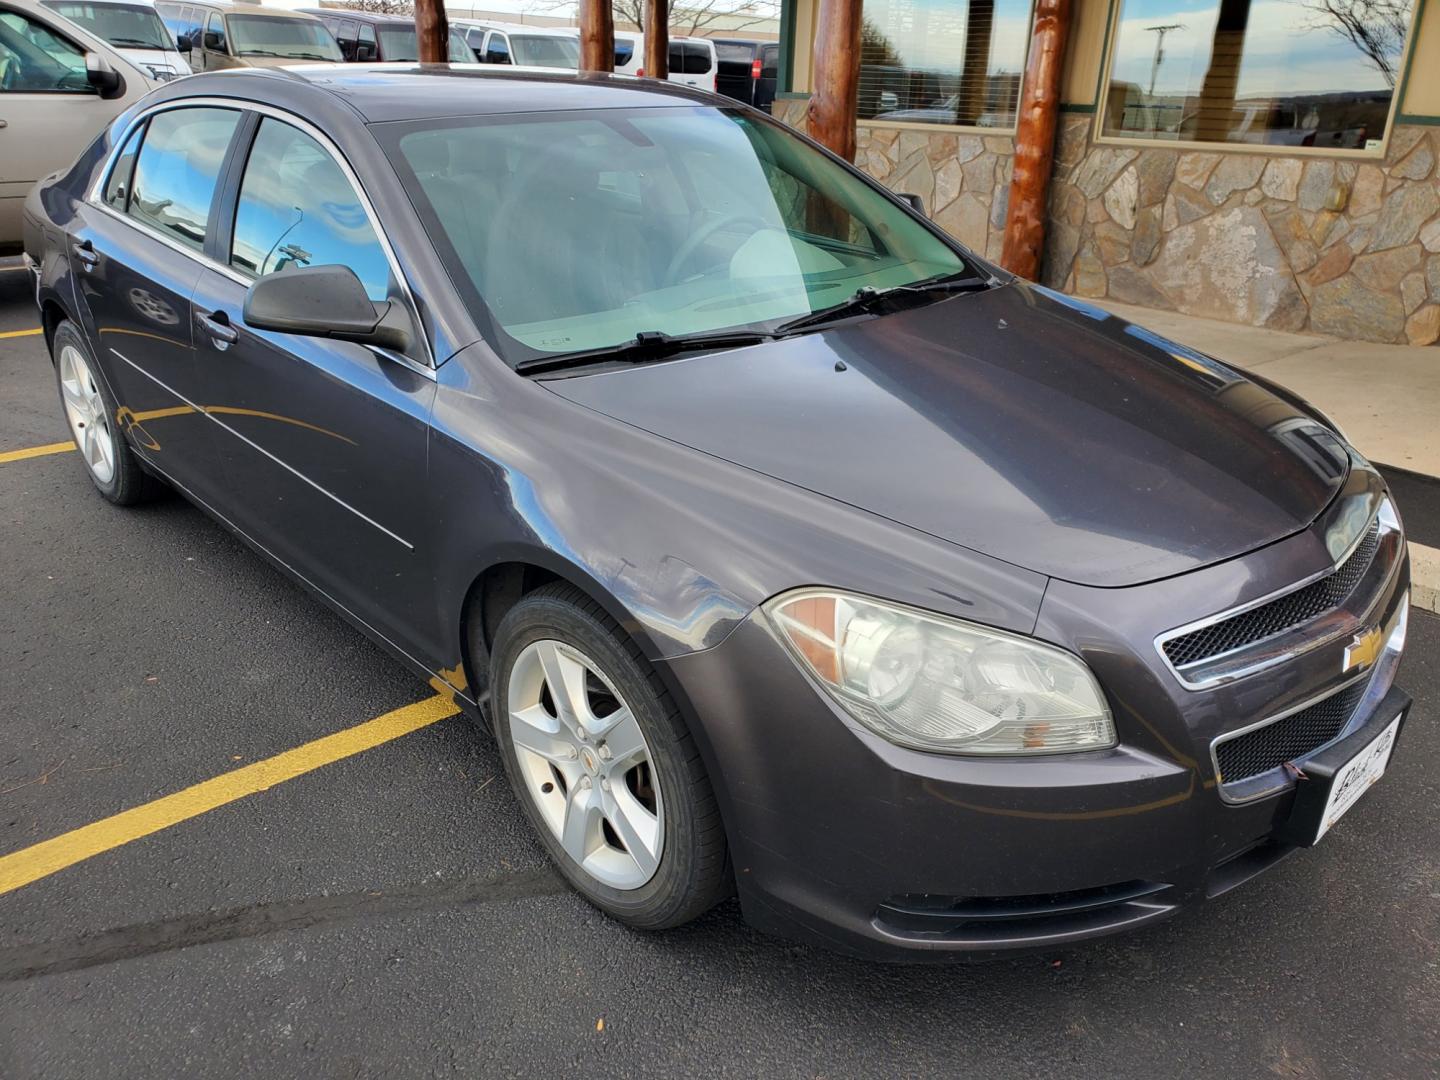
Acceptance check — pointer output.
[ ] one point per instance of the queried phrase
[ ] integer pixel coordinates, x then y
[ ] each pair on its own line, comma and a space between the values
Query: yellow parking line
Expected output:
36, 451
49, 856
20, 333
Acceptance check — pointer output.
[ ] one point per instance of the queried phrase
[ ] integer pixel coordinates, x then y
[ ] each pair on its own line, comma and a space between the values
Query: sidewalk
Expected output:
1386, 397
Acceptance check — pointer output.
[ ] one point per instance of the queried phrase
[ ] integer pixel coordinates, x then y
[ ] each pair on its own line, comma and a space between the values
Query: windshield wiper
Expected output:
643, 347
868, 298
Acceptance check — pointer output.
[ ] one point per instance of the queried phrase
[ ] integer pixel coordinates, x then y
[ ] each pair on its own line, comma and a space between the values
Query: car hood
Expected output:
1016, 422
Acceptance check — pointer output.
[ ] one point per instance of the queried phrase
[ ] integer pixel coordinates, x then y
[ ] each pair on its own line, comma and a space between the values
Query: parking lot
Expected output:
383, 910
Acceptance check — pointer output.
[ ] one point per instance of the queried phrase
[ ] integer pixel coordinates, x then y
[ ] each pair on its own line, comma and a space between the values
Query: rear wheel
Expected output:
604, 764
91, 414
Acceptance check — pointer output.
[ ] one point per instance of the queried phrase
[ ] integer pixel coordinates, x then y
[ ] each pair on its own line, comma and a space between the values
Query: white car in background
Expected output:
59, 86
133, 28
523, 46
692, 60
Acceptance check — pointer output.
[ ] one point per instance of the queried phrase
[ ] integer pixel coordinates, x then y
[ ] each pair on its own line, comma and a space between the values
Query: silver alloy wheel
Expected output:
85, 409
585, 764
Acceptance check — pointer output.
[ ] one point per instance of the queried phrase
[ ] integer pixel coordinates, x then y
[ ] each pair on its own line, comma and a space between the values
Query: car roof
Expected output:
360, 16
240, 7
400, 91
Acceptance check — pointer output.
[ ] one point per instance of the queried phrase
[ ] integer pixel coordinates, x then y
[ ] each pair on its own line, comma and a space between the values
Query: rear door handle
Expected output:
85, 252
217, 325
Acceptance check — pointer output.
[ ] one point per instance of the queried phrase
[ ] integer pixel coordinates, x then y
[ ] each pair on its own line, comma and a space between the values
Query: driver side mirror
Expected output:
104, 78
324, 301
213, 42
183, 43
364, 53
916, 202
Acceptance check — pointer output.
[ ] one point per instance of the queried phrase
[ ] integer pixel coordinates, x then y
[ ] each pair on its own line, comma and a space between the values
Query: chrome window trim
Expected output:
256, 446
94, 197
1382, 504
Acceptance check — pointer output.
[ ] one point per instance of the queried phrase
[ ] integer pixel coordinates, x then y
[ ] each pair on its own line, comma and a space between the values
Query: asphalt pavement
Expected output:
389, 914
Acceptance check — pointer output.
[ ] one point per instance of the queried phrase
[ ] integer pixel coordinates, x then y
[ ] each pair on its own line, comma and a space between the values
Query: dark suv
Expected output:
365, 36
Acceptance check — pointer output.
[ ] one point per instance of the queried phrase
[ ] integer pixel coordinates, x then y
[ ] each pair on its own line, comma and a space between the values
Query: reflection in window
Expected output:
943, 61
297, 208
117, 187
1315, 73
175, 173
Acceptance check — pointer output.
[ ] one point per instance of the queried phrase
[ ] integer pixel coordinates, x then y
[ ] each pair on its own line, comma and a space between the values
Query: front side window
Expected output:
951, 62
577, 232
215, 33
345, 32
1315, 73
497, 49
126, 25
277, 36
117, 186
297, 208
33, 60
550, 52
624, 50
175, 173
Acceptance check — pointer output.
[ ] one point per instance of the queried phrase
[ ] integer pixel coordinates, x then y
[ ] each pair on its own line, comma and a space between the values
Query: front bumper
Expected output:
843, 839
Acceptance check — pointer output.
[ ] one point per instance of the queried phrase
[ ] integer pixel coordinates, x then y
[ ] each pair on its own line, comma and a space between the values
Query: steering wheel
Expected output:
700, 235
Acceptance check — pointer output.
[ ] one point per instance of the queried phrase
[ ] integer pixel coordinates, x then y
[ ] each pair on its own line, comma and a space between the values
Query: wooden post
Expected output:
597, 36
1217, 92
836, 75
1035, 139
657, 38
432, 27
970, 102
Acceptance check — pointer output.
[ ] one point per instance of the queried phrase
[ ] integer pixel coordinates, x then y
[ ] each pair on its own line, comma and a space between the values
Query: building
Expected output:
1270, 162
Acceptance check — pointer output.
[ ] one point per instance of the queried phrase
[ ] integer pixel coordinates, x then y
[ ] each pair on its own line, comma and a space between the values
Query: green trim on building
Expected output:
1076, 107
1412, 118
785, 74
792, 95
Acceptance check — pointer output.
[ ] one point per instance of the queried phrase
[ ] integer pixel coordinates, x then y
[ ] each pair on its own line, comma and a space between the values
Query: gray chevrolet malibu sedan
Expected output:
787, 547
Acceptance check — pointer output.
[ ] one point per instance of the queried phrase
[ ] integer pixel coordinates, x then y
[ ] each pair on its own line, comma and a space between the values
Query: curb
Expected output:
1424, 577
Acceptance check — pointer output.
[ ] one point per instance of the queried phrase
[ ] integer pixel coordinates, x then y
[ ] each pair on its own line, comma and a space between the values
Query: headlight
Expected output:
940, 684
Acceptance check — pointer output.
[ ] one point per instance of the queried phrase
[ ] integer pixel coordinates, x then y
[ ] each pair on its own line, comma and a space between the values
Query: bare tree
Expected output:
1376, 27
381, 7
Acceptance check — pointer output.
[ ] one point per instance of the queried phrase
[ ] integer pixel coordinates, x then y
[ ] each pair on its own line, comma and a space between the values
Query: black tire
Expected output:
130, 483
693, 873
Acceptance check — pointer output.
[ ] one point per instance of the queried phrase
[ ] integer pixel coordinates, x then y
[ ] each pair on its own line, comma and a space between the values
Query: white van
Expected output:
693, 60
133, 28
525, 46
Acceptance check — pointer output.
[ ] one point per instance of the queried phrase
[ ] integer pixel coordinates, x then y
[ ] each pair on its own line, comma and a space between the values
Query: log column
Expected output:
657, 38
1035, 139
597, 36
432, 28
836, 67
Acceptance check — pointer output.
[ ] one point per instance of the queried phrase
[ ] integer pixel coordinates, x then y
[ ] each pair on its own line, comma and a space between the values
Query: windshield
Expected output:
292, 39
130, 26
579, 231
551, 52
399, 43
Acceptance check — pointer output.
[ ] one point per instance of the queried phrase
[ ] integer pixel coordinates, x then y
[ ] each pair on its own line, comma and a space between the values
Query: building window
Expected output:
956, 62
1312, 73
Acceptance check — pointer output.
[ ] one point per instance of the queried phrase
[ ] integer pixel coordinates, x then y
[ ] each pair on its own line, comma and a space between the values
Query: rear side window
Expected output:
624, 50
769, 62
176, 169
117, 188
734, 50
345, 31
697, 59
298, 208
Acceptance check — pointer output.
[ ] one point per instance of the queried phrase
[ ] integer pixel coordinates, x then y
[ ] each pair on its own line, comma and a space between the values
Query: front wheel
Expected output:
603, 762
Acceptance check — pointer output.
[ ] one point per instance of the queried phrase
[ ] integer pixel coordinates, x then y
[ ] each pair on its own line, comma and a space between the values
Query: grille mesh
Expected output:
1279, 614
1289, 739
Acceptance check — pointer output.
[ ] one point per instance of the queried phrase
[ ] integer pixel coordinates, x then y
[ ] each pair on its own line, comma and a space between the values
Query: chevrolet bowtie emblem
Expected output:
1362, 651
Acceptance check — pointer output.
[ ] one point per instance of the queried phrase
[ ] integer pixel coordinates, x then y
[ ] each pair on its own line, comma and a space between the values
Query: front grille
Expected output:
1280, 614
1288, 739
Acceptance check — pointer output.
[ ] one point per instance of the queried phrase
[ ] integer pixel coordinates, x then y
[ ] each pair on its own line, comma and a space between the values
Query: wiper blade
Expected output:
867, 299
644, 346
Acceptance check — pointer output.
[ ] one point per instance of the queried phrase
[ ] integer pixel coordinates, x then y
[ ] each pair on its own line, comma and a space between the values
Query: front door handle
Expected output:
85, 253
217, 325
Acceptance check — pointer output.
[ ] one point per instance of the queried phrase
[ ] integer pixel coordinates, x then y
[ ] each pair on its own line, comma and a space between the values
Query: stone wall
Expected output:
1334, 246
1329, 245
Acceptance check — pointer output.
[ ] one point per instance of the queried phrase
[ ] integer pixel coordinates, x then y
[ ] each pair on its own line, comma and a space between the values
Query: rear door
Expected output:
324, 441
137, 260
769, 73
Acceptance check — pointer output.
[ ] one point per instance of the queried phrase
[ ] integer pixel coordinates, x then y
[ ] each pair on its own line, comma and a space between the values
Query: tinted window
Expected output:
176, 170
297, 208
33, 60
624, 50
734, 50
216, 26
769, 61
194, 17
130, 27
697, 59
345, 34
276, 35
117, 188
497, 50
367, 38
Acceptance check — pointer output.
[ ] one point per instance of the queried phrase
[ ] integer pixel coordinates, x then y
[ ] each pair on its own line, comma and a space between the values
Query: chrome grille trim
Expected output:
1211, 671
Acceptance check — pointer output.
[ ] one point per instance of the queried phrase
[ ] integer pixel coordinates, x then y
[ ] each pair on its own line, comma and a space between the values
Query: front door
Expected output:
324, 441
136, 264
